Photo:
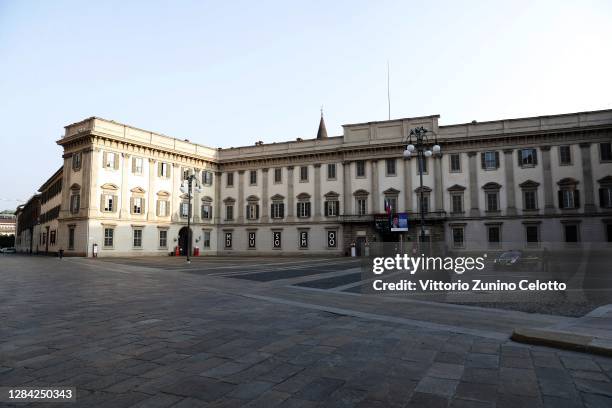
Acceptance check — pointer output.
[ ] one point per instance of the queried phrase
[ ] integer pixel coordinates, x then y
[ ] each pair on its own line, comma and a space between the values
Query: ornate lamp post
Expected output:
187, 188
421, 147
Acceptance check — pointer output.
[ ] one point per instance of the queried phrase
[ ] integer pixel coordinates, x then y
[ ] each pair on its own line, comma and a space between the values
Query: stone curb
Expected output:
563, 340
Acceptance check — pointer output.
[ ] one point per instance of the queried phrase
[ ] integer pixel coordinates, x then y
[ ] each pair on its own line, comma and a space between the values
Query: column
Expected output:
510, 187
86, 179
94, 198
473, 175
217, 200
438, 187
587, 176
124, 210
65, 209
241, 208
374, 186
290, 195
176, 181
347, 193
196, 199
265, 209
549, 202
151, 205
407, 186
317, 191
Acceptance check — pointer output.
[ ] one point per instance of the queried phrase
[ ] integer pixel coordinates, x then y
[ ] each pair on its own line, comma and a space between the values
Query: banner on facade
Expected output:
399, 222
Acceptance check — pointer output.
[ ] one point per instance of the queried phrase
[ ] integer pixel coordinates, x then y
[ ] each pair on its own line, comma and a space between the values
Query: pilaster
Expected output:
473, 176
438, 187
347, 191
217, 201
510, 187
549, 203
375, 194
124, 209
290, 194
264, 195
587, 176
407, 185
151, 204
317, 191
241, 208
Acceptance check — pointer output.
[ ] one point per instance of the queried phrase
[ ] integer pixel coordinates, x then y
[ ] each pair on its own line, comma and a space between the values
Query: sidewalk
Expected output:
591, 333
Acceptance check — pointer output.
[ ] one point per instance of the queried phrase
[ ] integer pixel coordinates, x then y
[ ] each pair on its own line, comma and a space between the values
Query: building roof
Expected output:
322, 132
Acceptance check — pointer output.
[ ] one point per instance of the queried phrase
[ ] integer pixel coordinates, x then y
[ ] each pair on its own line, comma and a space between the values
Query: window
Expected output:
304, 173
278, 175
527, 157
206, 239
494, 235
52, 236
457, 202
571, 232
492, 200
532, 234
137, 238
331, 208
608, 227
71, 238
489, 160
185, 210
568, 195
303, 209
137, 205
303, 244
360, 168
565, 155
229, 179
253, 177
76, 161
605, 197
163, 238
278, 210
75, 203
455, 163
605, 151
109, 234
424, 164
332, 238
362, 205
206, 211
423, 202
458, 241
162, 208
252, 240
164, 170
276, 239
391, 201
137, 165
530, 200
108, 202
229, 212
390, 163
331, 171
228, 240
252, 211
207, 178
568, 199
185, 173
110, 160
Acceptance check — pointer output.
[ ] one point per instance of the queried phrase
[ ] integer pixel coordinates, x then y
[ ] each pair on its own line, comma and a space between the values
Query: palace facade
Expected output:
507, 183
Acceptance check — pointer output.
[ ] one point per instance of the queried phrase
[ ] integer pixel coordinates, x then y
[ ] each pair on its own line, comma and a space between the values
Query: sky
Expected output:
232, 73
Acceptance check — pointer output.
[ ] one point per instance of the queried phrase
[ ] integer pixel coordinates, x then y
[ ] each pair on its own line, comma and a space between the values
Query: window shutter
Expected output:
308, 209
257, 211
560, 195
116, 162
482, 161
247, 211
519, 157
159, 169
497, 160
169, 166
577, 198
115, 203
535, 157
297, 210
142, 205
104, 157
133, 165
326, 206
102, 202
282, 210
602, 201
131, 205
157, 208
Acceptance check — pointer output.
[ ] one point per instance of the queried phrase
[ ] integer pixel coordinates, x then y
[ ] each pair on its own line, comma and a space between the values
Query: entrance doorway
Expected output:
183, 240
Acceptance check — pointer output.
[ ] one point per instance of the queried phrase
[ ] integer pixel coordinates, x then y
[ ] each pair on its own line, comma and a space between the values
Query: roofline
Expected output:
46, 183
392, 120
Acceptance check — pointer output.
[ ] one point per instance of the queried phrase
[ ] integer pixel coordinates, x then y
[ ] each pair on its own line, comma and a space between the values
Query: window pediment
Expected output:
277, 197
425, 189
184, 196
75, 187
252, 198
331, 195
138, 190
361, 192
391, 192
605, 180
492, 186
163, 193
303, 196
529, 184
229, 200
456, 188
567, 182
207, 199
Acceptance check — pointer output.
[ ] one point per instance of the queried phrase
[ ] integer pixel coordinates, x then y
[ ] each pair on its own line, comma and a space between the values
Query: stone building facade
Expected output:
506, 183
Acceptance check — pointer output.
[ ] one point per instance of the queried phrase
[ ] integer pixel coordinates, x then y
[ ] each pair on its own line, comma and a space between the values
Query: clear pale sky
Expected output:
232, 73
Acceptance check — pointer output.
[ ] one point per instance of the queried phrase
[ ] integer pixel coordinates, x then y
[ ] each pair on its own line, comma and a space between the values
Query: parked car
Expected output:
515, 258
10, 250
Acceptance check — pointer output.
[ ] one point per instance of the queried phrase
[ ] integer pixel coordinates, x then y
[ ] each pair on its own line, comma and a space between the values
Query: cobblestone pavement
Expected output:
143, 336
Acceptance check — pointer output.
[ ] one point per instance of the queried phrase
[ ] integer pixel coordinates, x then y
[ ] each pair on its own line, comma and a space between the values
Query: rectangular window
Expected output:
184, 210
278, 210
608, 227
605, 151
253, 177
530, 200
206, 211
52, 237
162, 208
492, 201
75, 203
186, 173
362, 206
137, 165
457, 237
228, 240
331, 171
276, 239
110, 160
331, 208
527, 157
206, 239
278, 175
164, 170
455, 163
137, 238
422, 162
457, 203
605, 197
229, 212
565, 155
303, 209
567, 199
71, 238
229, 179
332, 239
303, 239
423, 202
494, 235
76, 161
489, 160
532, 234
207, 178
163, 238
304, 173
137, 205
252, 240
571, 232
360, 168
252, 211
390, 163
108, 201
109, 235
392, 202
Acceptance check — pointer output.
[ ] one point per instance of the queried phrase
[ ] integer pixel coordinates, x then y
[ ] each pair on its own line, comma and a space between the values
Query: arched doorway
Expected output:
183, 240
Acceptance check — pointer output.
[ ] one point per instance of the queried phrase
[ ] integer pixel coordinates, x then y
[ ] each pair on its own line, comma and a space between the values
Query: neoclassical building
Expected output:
505, 183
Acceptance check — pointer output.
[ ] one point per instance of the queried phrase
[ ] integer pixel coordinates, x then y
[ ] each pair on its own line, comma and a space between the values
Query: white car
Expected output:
10, 250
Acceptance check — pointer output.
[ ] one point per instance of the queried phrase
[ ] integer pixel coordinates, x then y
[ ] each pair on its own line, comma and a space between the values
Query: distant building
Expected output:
7, 224
517, 181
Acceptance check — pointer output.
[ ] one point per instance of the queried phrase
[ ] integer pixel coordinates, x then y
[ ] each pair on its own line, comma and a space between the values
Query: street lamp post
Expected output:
187, 187
421, 146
